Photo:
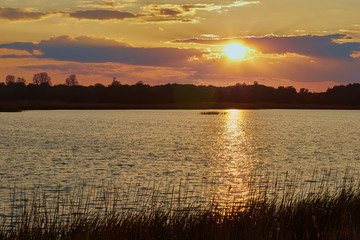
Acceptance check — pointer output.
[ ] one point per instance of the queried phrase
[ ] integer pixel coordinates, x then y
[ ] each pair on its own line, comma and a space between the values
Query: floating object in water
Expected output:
213, 113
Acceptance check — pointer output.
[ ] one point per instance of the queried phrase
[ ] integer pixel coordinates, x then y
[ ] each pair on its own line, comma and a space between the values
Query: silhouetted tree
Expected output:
10, 79
115, 83
71, 81
304, 90
21, 80
140, 93
41, 79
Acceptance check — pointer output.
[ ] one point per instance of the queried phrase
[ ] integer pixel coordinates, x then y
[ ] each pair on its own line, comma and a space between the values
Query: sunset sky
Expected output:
300, 43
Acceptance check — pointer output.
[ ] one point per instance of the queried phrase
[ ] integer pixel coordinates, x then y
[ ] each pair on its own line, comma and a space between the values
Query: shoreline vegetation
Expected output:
19, 106
320, 213
19, 96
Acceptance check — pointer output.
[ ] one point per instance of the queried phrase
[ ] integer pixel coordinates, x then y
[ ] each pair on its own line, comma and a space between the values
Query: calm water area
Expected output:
169, 151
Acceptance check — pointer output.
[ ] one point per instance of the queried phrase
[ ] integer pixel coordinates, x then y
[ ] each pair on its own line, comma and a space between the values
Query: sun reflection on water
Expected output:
235, 170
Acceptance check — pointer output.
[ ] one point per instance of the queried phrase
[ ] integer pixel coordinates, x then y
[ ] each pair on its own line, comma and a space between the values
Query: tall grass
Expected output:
317, 212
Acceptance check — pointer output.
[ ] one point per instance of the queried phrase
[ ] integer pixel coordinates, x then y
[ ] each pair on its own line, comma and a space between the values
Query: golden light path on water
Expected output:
235, 170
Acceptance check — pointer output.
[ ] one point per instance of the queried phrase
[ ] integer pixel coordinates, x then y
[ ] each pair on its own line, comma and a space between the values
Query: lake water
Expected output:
166, 150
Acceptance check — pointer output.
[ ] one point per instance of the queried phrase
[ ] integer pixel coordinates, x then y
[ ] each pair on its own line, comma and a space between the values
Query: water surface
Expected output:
211, 153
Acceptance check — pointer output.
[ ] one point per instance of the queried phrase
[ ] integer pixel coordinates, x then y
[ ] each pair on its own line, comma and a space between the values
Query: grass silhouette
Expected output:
277, 213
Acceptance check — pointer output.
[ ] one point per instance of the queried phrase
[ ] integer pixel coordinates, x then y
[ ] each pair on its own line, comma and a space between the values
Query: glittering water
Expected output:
211, 153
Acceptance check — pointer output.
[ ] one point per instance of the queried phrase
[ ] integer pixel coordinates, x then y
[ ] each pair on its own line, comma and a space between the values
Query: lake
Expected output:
171, 151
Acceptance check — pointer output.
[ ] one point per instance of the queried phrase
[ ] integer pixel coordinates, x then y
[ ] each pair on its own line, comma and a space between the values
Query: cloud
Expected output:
105, 4
168, 19
168, 11
96, 50
164, 15
155, 12
102, 15
283, 59
240, 4
18, 14
81, 41
294, 68
328, 46
106, 10
5, 53
190, 9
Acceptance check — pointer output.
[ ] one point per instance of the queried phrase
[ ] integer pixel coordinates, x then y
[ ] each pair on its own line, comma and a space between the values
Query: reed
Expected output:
317, 212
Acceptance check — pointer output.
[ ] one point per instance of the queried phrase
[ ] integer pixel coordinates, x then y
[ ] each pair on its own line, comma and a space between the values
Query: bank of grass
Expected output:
287, 214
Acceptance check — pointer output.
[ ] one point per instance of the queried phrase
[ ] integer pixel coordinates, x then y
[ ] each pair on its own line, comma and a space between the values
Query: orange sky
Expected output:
311, 44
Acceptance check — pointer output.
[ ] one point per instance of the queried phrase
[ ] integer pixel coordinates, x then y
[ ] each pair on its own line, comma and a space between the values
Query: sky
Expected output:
300, 43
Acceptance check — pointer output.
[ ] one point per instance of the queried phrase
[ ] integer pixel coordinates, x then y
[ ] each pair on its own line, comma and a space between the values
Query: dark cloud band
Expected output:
18, 14
92, 50
102, 14
326, 46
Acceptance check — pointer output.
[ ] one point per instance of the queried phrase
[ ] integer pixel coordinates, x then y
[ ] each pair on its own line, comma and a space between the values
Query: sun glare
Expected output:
235, 51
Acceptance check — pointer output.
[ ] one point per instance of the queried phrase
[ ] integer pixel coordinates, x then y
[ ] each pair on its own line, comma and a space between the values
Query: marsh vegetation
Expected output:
275, 212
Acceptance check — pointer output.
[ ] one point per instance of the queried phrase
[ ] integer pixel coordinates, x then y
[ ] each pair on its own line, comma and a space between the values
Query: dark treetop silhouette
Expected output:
72, 95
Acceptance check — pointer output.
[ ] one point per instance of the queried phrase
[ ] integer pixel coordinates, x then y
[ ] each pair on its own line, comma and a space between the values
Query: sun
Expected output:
235, 51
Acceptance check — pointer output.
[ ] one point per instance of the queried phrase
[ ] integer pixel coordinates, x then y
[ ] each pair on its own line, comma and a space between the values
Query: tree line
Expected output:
41, 89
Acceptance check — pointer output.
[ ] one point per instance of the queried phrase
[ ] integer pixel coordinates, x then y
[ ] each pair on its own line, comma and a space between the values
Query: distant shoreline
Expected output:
20, 97
18, 106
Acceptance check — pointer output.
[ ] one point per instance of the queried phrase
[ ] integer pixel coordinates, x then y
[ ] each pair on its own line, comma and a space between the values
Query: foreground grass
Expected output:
291, 216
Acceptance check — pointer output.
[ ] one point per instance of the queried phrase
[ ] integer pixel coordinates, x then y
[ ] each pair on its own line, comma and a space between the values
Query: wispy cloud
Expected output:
6, 53
105, 4
185, 12
108, 10
19, 14
166, 15
101, 14
191, 9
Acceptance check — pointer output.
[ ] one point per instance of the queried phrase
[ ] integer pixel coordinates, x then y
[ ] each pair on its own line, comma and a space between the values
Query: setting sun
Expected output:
235, 51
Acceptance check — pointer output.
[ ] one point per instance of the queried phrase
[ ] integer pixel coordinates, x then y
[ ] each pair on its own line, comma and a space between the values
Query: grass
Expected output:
287, 214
